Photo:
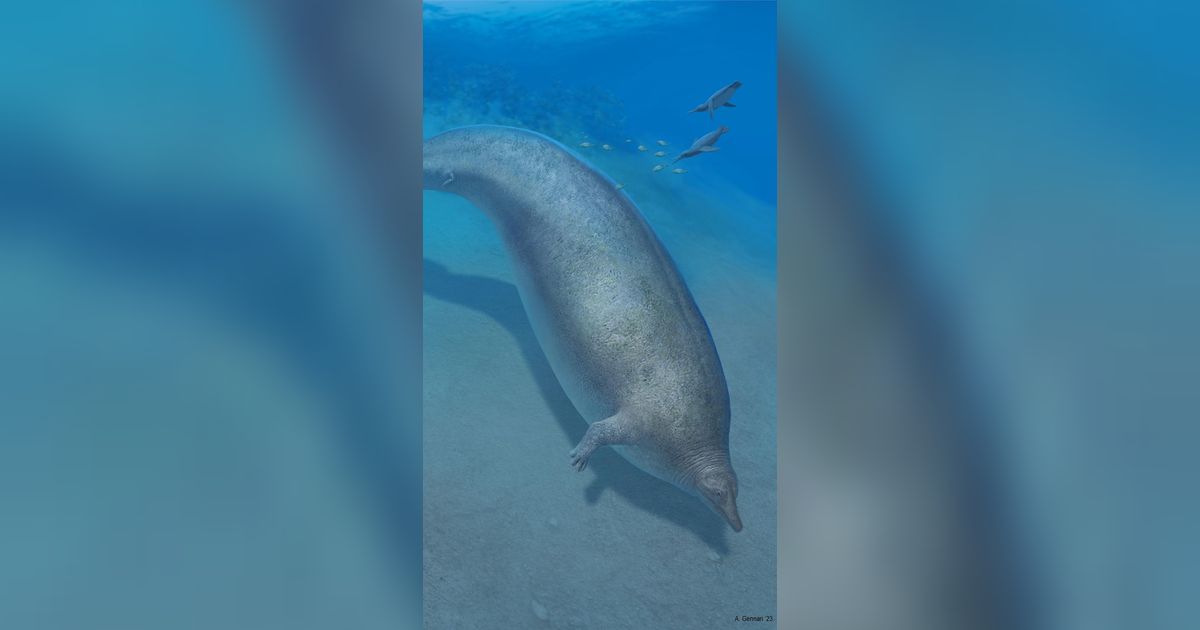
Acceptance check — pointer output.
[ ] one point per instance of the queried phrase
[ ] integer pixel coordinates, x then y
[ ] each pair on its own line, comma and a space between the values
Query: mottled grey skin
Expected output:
718, 100
703, 144
611, 312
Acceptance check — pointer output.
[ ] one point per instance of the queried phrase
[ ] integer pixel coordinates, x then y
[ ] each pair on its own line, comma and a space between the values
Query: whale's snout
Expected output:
719, 490
730, 513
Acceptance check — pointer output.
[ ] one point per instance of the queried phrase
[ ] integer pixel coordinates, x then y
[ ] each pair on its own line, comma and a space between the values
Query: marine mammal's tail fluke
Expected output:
439, 161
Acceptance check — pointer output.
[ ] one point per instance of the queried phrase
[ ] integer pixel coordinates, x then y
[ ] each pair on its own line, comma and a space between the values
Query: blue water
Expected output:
513, 537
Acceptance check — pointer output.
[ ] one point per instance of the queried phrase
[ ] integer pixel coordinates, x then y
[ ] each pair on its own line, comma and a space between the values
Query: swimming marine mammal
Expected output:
703, 144
719, 99
615, 319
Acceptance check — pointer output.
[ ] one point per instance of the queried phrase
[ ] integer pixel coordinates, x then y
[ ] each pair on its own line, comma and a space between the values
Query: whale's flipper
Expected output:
710, 149
710, 110
449, 179
607, 432
730, 105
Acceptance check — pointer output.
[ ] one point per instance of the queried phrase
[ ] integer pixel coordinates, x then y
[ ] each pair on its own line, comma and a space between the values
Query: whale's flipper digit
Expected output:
607, 432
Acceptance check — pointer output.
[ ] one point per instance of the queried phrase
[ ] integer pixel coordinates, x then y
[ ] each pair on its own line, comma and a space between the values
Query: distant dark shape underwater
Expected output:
616, 321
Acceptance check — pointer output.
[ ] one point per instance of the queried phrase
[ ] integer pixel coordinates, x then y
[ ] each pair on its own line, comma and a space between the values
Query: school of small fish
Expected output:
720, 99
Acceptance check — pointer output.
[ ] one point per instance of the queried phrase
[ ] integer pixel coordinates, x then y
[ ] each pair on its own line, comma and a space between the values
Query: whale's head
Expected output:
717, 485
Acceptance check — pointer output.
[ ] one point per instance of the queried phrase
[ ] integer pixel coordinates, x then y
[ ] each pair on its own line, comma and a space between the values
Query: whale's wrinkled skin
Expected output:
609, 308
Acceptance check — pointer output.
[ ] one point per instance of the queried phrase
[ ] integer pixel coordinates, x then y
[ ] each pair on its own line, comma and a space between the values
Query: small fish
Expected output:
642, 147
586, 145
628, 140
620, 186
606, 147
658, 167
661, 143
679, 171
660, 154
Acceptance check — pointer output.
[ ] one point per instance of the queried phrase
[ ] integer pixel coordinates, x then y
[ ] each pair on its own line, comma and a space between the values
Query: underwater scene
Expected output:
660, 110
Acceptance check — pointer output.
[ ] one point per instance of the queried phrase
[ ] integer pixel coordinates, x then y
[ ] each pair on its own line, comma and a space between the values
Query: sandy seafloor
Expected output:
511, 532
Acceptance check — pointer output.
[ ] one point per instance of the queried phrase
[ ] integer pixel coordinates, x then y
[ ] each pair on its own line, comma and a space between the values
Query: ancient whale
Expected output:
719, 99
612, 313
703, 144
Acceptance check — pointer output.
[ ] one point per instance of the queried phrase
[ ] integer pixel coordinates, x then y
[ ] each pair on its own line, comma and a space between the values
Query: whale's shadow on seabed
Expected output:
500, 301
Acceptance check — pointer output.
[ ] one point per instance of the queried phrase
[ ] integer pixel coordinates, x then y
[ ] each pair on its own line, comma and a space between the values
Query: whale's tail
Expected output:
440, 162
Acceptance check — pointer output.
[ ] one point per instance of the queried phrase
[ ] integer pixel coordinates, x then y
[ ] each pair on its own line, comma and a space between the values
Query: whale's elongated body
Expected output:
703, 144
613, 315
719, 99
